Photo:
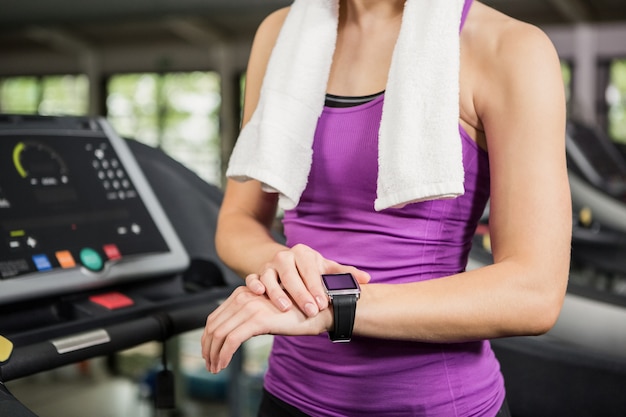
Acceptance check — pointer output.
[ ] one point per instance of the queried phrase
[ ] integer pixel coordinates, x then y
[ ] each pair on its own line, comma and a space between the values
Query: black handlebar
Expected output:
98, 341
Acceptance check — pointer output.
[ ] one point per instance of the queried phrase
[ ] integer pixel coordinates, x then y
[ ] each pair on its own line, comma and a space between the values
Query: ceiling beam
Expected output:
575, 11
59, 39
194, 32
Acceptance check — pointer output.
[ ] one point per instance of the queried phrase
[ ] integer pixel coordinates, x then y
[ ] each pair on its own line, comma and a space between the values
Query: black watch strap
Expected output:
344, 309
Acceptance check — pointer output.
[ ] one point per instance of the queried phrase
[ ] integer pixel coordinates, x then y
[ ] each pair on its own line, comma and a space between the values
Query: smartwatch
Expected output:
343, 291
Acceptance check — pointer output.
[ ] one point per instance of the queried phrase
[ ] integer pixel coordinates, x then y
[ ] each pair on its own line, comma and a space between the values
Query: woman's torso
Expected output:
426, 240
421, 241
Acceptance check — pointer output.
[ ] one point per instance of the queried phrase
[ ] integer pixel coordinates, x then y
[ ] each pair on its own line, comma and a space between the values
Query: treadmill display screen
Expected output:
70, 206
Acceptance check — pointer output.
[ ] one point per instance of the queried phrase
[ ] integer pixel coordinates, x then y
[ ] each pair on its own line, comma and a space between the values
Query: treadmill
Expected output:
594, 312
106, 244
597, 173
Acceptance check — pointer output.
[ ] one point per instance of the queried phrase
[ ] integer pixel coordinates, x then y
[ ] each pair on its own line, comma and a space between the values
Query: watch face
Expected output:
336, 282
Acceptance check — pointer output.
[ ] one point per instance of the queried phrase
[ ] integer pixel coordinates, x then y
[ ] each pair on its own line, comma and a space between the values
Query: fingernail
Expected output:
320, 302
257, 287
310, 309
284, 303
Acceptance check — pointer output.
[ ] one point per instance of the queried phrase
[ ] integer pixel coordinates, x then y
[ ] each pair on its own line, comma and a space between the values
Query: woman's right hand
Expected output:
295, 274
244, 315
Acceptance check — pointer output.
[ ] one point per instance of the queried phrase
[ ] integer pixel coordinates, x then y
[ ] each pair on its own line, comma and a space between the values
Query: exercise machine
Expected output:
106, 244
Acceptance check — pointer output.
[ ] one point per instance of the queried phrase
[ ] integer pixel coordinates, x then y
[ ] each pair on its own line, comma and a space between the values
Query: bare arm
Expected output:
247, 213
520, 105
243, 237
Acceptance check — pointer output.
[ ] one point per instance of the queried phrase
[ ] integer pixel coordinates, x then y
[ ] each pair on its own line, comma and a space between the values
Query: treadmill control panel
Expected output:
75, 209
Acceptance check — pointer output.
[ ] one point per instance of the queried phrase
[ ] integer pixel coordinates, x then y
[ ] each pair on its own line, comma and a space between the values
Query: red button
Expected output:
112, 252
112, 300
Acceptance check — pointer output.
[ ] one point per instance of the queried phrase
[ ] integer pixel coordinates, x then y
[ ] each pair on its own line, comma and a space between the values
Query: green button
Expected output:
91, 259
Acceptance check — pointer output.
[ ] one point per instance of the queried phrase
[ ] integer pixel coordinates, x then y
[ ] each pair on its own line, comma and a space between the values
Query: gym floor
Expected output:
72, 392
91, 388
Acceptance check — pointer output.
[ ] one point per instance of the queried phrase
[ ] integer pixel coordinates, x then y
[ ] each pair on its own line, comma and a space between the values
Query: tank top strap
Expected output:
466, 8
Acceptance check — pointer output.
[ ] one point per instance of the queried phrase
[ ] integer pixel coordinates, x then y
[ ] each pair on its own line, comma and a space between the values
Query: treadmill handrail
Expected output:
42, 356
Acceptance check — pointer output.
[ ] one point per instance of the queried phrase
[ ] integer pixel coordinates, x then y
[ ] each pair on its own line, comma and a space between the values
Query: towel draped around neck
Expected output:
419, 147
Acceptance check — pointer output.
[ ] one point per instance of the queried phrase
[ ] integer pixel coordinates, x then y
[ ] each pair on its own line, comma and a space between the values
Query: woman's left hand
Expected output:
245, 314
294, 276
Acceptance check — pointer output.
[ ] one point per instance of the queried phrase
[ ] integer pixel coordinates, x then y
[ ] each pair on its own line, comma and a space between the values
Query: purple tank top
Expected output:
336, 216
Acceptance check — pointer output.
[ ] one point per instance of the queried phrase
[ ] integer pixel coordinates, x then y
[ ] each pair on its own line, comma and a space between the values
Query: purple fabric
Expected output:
418, 242
466, 8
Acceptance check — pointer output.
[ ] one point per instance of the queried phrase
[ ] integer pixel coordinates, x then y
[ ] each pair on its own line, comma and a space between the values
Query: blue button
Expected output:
42, 263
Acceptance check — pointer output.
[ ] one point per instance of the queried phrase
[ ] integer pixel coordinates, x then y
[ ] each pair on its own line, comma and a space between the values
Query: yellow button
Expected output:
6, 347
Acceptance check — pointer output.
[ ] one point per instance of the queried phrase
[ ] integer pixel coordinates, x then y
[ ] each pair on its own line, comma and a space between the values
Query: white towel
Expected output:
420, 153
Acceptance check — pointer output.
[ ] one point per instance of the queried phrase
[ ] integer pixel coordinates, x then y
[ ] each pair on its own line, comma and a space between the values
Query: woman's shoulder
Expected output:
507, 55
500, 40
262, 46
265, 39
505, 65
268, 30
